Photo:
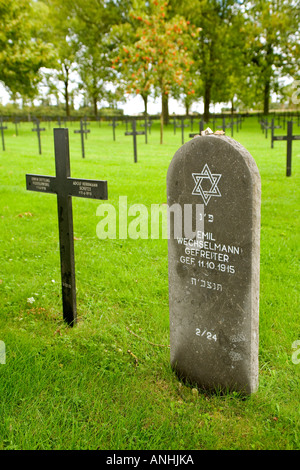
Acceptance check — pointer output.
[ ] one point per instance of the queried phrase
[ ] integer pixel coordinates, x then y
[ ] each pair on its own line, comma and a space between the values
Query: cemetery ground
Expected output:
107, 382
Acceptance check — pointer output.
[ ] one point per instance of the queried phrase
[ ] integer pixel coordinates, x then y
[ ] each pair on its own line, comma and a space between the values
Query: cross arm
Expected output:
43, 184
85, 131
279, 137
93, 189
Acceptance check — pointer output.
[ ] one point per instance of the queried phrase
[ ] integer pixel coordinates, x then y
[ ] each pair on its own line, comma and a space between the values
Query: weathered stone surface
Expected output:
214, 274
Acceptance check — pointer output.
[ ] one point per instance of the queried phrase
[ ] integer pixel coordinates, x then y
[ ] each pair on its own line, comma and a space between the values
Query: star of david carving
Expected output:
214, 179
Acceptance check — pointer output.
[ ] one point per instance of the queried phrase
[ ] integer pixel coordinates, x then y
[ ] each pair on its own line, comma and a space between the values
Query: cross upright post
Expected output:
134, 133
225, 126
273, 127
85, 126
2, 127
114, 125
289, 140
38, 131
182, 126
214, 123
146, 129
201, 126
16, 121
82, 131
65, 187
192, 123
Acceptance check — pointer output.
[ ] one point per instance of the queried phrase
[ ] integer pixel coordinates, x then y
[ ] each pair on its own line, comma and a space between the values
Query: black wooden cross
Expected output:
174, 125
82, 131
192, 123
182, 126
114, 124
16, 121
264, 126
147, 125
201, 128
134, 133
289, 139
65, 187
239, 122
2, 127
214, 123
38, 130
226, 126
273, 127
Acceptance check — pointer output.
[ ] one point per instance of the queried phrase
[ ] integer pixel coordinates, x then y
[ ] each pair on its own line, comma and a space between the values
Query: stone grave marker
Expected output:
214, 184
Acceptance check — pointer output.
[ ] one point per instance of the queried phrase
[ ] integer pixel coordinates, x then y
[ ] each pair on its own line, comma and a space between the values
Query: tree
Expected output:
60, 33
92, 23
22, 49
159, 50
133, 71
273, 43
219, 47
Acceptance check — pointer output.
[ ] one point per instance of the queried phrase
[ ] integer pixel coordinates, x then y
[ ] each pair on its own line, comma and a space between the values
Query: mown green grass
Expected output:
107, 383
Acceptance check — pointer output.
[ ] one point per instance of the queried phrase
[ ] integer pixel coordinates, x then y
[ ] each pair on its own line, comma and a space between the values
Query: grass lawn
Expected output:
107, 383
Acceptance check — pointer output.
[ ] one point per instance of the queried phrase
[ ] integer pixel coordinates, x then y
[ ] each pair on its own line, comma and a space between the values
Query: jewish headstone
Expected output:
214, 184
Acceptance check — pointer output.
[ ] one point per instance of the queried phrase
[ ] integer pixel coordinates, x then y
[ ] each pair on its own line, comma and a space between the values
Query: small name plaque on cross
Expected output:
65, 187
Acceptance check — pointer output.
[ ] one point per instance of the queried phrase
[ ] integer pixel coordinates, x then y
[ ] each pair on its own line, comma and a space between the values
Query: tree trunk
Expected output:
232, 105
162, 119
206, 101
266, 97
67, 99
66, 83
187, 109
165, 108
145, 99
95, 106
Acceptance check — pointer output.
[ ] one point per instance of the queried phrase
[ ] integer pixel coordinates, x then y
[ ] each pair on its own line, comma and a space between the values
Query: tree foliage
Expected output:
159, 57
23, 50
